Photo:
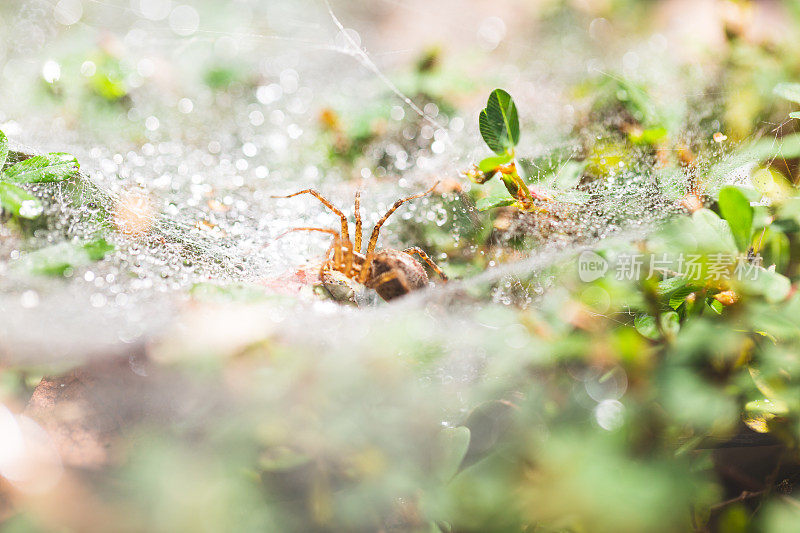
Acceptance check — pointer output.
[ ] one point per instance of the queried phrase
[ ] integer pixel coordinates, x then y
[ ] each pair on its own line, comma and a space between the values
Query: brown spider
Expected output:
391, 273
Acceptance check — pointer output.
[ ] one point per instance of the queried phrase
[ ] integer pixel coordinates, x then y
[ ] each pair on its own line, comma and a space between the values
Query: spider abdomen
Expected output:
407, 274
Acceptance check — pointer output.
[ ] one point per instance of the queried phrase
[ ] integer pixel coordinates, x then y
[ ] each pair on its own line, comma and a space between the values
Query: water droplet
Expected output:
30, 209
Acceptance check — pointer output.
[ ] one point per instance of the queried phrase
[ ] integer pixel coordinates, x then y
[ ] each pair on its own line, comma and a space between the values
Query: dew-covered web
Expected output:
178, 177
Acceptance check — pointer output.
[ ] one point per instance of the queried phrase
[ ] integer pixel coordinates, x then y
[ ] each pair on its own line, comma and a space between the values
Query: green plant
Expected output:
49, 168
499, 127
59, 259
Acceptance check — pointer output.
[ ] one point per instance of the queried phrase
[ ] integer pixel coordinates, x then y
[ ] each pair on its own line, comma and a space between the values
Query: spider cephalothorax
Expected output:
391, 273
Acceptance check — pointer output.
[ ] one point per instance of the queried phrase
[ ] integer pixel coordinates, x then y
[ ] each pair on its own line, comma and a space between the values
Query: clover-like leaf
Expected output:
499, 122
3, 149
43, 169
19, 202
736, 209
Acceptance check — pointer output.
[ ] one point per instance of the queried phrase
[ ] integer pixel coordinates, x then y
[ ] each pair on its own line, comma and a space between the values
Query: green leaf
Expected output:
671, 285
452, 445
736, 209
3, 149
774, 406
675, 290
19, 202
795, 114
43, 168
490, 164
772, 184
492, 202
670, 323
98, 249
715, 305
775, 248
772, 286
499, 122
711, 233
789, 91
58, 259
646, 325
650, 136
764, 149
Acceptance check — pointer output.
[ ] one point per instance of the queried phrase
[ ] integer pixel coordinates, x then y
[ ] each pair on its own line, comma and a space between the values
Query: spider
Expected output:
391, 273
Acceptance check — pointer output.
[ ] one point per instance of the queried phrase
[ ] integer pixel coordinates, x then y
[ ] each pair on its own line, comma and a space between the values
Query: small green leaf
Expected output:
651, 136
3, 149
19, 202
490, 164
452, 445
736, 209
711, 232
671, 285
58, 259
772, 184
715, 305
98, 249
774, 406
765, 149
492, 202
775, 248
772, 286
646, 325
670, 323
54, 260
499, 122
43, 168
676, 290
789, 91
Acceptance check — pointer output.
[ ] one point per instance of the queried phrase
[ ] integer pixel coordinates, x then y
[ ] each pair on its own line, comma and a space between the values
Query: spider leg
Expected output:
366, 270
321, 230
417, 251
347, 259
338, 257
326, 203
358, 222
373, 239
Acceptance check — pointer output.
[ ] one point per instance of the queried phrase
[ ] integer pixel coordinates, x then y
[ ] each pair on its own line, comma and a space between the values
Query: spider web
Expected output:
200, 181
